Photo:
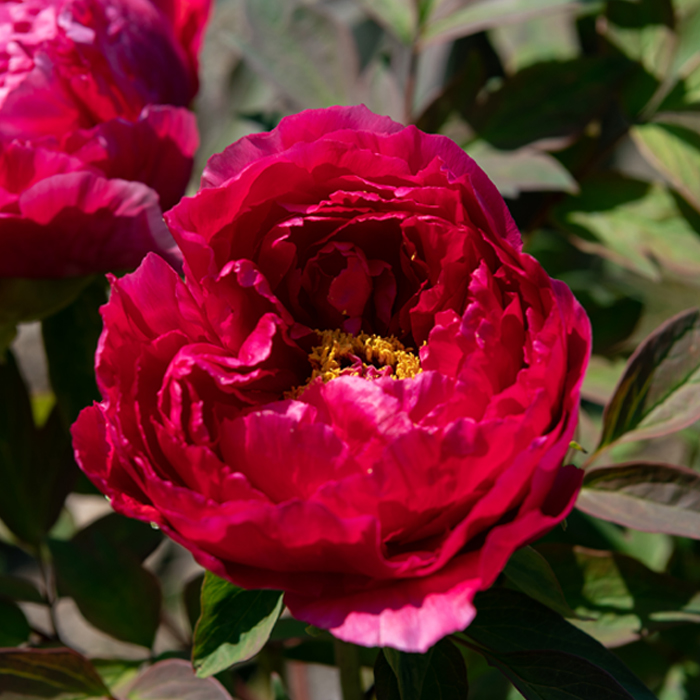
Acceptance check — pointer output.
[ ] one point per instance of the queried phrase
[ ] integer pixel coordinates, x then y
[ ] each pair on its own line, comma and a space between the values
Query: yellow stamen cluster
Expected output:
338, 352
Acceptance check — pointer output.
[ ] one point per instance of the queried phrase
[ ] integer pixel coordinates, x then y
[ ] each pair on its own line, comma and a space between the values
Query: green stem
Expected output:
347, 658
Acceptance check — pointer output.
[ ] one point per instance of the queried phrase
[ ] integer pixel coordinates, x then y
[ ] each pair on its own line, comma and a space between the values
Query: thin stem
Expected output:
347, 658
47, 574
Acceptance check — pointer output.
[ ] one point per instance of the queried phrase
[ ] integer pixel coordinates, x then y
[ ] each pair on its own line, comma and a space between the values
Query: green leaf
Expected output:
398, 16
510, 622
484, 14
659, 391
524, 170
15, 588
439, 674
109, 585
675, 152
648, 497
174, 678
556, 675
530, 572
49, 673
70, 339
620, 598
304, 51
14, 628
234, 625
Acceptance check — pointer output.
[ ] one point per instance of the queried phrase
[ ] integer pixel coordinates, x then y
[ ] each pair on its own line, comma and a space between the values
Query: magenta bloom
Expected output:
95, 139
363, 391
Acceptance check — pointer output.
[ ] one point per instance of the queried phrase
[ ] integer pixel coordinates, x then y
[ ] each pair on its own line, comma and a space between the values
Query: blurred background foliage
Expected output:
586, 114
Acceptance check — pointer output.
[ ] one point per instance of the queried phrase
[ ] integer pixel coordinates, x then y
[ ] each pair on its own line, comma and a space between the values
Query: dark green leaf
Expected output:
37, 469
49, 673
620, 597
647, 497
439, 674
531, 574
14, 628
23, 300
174, 678
14, 588
192, 597
234, 625
16, 441
385, 684
127, 534
70, 339
548, 100
54, 471
508, 622
555, 675
109, 585
410, 671
312, 652
659, 390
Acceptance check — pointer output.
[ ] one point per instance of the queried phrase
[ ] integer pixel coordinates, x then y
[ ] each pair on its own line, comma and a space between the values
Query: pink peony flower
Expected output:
95, 139
362, 392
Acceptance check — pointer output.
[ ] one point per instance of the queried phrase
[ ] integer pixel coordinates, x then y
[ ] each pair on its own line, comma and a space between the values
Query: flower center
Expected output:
368, 356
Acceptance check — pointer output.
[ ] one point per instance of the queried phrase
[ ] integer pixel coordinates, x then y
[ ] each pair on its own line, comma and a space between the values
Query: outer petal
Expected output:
410, 615
158, 149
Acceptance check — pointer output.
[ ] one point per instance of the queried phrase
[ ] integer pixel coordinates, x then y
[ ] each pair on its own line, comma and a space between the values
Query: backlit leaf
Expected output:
304, 51
659, 391
648, 497
521, 171
675, 152
174, 678
234, 624
49, 673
